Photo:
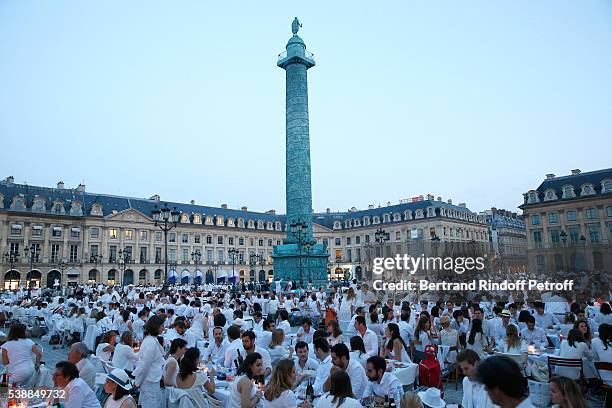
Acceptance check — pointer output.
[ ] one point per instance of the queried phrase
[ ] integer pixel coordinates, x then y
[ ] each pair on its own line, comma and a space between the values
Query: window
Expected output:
261, 242
241, 257
172, 255
568, 192
367, 239
144, 235
112, 254
241, 241
197, 219
37, 230
535, 220
537, 238
16, 229
358, 239
185, 218
270, 241
196, 239
55, 250
230, 241
112, 233
220, 256
129, 235
209, 239
143, 254
571, 215
609, 212
185, 238
591, 213
75, 232
338, 253
158, 255
172, 237
74, 249
158, 236
552, 218
220, 240
554, 236
358, 254
251, 241
127, 253
337, 242
398, 235
56, 232
209, 255
594, 233
185, 255
348, 240
349, 255
94, 233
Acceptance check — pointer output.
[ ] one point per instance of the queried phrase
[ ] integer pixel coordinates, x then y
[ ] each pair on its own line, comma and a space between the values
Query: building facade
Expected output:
569, 222
508, 239
82, 237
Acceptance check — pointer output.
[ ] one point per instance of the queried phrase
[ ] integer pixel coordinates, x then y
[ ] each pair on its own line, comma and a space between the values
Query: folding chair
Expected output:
212, 401
607, 389
575, 363
517, 358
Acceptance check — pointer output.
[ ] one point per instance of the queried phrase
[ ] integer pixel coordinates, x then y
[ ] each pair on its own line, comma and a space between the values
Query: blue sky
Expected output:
473, 101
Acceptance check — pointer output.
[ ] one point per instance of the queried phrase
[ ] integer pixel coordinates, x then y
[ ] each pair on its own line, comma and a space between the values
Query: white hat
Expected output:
238, 322
431, 397
121, 378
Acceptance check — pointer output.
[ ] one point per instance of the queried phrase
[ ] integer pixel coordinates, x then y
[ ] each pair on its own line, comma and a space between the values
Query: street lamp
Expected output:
381, 236
11, 257
309, 247
31, 254
213, 268
166, 220
299, 230
125, 257
262, 263
233, 256
62, 266
253, 258
196, 256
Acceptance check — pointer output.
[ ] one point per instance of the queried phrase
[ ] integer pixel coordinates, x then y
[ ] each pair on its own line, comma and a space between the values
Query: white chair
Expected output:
90, 338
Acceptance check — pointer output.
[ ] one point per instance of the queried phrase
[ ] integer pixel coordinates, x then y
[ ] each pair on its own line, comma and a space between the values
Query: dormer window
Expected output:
337, 225
208, 220
278, 226
366, 221
550, 195
197, 219
419, 214
38, 205
587, 189
407, 215
18, 203
96, 209
58, 208
356, 222
269, 226
532, 197
230, 222
240, 223
185, 218
568, 192
386, 218
606, 186
260, 224
347, 224
220, 221
251, 224
431, 212
376, 219
397, 217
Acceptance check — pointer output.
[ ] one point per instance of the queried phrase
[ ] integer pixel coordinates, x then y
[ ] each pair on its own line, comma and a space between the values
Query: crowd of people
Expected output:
226, 347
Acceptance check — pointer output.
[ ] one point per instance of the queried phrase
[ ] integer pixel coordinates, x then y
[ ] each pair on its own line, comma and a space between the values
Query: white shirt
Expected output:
387, 386
21, 359
545, 320
286, 400
602, 354
230, 351
578, 351
124, 357
284, 326
358, 377
322, 374
306, 337
149, 366
475, 395
216, 352
87, 372
326, 402
535, 336
370, 342
79, 395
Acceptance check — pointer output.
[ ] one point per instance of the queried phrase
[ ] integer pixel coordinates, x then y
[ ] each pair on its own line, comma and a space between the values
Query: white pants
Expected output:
150, 395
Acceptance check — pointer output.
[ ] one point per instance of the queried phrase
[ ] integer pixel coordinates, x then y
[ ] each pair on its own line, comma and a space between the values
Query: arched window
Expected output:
407, 215
230, 222
550, 195
251, 224
587, 189
197, 218
220, 221
532, 197
38, 205
269, 226
260, 224
185, 218
337, 225
240, 223
209, 220
606, 186
347, 223
397, 217
356, 222
568, 191
366, 220
376, 219
419, 214
386, 217
96, 209
278, 226
18, 203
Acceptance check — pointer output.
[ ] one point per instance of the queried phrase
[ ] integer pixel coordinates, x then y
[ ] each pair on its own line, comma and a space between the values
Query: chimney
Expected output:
60, 185
421, 198
10, 180
353, 209
192, 202
462, 205
439, 199
575, 172
550, 176
155, 197
430, 197
388, 203
81, 188
493, 210
244, 208
272, 211
224, 206
371, 207
327, 210
449, 201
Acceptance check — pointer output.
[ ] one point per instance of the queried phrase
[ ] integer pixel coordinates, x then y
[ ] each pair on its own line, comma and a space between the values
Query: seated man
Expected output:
474, 393
534, 335
78, 394
77, 355
381, 382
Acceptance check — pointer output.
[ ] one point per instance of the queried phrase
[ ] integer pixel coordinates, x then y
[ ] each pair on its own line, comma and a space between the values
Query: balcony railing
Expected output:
307, 54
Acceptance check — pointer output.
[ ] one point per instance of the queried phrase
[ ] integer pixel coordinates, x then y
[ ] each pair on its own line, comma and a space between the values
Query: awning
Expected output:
74, 229
172, 272
198, 273
57, 228
185, 273
37, 227
16, 226
222, 273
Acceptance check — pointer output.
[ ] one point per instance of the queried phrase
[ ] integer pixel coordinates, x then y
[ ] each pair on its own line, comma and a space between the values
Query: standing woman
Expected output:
243, 392
422, 338
449, 337
395, 347
149, 368
18, 353
278, 392
124, 323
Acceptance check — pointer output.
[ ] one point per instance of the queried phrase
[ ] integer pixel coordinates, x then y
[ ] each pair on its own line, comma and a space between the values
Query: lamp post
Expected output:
11, 258
31, 254
125, 258
381, 237
308, 248
299, 230
233, 256
165, 219
196, 256
253, 258
563, 236
62, 266
262, 263
367, 247
213, 268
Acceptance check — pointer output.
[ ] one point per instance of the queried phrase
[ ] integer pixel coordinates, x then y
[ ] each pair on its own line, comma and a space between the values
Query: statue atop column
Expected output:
295, 26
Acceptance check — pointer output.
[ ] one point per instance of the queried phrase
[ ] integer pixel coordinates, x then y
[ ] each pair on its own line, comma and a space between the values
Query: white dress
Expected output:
449, 338
234, 397
21, 360
344, 314
287, 399
326, 402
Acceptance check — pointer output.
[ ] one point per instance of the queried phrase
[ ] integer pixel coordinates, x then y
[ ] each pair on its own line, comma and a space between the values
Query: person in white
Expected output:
504, 382
321, 349
278, 392
573, 347
215, 351
305, 366
370, 340
533, 335
339, 393
77, 392
118, 386
21, 355
235, 343
149, 367
602, 350
341, 360
305, 332
381, 382
124, 356
77, 355
545, 320
474, 393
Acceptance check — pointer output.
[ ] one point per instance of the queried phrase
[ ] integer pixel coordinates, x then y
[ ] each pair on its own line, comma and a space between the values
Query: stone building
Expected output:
80, 237
569, 222
508, 238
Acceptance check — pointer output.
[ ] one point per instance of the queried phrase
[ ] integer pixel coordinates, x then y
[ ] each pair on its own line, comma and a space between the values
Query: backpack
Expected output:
429, 369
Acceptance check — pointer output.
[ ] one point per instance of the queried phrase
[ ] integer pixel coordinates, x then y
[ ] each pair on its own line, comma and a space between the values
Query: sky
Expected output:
474, 100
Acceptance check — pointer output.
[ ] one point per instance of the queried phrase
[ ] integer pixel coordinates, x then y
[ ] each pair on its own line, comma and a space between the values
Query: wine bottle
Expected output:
309, 391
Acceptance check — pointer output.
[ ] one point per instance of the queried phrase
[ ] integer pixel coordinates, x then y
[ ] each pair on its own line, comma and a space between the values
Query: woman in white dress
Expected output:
21, 355
449, 337
191, 380
124, 356
395, 347
573, 347
243, 392
347, 307
278, 392
602, 350
118, 386
277, 350
105, 349
476, 340
123, 322
513, 344
149, 368
340, 393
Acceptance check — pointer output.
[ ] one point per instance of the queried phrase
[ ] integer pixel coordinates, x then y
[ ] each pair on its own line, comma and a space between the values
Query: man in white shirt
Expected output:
249, 346
342, 360
381, 382
370, 340
305, 332
78, 394
534, 335
544, 320
233, 335
216, 349
77, 355
503, 379
321, 349
304, 365
474, 393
